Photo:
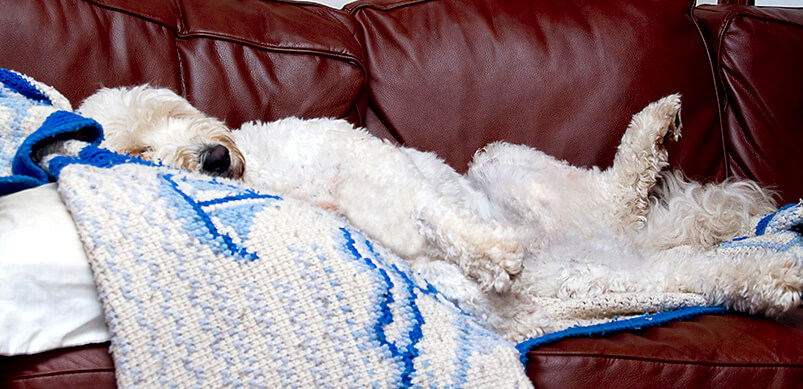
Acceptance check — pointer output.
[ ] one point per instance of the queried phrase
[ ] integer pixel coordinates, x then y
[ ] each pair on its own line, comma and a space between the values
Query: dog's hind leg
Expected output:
535, 188
753, 282
490, 252
640, 157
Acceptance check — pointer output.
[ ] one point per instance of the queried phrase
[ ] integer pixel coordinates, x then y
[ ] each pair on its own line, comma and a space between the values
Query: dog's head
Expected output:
159, 125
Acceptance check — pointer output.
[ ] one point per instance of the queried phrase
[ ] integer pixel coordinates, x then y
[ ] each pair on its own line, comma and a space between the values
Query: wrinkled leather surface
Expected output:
563, 76
88, 366
729, 351
762, 93
236, 60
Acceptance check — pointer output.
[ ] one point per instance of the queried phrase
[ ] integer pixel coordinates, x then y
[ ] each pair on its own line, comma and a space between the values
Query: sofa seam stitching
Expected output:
185, 35
64, 372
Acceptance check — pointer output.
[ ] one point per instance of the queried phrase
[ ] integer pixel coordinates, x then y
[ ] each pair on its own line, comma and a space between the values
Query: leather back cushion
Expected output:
762, 92
236, 60
564, 76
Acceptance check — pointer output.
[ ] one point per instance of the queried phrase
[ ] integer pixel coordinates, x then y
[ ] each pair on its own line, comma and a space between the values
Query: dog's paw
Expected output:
490, 276
663, 117
669, 109
780, 290
493, 256
507, 253
501, 264
771, 289
656, 123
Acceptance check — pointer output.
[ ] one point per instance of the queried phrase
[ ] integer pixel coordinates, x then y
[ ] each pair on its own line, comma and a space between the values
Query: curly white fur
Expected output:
519, 226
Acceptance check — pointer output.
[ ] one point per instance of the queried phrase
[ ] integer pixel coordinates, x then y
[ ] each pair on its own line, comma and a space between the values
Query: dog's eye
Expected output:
141, 150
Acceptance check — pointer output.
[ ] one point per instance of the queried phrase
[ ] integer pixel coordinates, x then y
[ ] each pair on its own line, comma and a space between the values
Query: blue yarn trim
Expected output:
762, 224
12, 184
609, 328
59, 125
24, 87
761, 227
95, 156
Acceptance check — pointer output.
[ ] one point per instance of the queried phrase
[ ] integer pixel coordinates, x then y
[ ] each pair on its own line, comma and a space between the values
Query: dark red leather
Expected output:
236, 60
762, 92
729, 351
88, 366
563, 76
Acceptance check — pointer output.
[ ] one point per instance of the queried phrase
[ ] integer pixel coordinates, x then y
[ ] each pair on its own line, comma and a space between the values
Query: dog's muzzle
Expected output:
216, 161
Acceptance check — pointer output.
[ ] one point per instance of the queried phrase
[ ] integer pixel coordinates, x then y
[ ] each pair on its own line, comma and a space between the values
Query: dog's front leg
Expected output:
768, 284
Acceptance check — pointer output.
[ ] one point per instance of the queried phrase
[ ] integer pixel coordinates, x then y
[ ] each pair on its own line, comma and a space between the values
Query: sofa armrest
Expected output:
757, 54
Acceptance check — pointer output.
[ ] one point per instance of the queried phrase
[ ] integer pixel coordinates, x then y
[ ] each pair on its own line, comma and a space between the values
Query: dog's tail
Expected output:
684, 212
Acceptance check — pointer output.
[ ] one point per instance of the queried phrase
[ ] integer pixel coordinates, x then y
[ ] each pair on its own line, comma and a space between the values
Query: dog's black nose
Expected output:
216, 160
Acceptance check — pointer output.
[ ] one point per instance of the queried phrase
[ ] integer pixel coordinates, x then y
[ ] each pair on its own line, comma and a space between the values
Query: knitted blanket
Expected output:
30, 113
208, 284
780, 231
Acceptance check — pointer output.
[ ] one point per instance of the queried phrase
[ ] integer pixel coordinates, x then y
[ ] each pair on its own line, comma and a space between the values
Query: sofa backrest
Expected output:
450, 75
563, 76
236, 60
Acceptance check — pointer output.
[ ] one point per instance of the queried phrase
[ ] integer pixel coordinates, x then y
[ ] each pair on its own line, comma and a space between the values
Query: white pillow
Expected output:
48, 298
332, 3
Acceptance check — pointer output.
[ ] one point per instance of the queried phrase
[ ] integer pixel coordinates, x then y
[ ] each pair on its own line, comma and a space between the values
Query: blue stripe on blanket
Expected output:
28, 120
19, 84
613, 327
59, 125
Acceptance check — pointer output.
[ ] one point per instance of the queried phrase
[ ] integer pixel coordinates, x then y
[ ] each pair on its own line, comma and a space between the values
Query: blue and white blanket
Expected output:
30, 114
206, 283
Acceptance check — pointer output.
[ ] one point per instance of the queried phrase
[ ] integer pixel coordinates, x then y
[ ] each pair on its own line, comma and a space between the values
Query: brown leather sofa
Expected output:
450, 76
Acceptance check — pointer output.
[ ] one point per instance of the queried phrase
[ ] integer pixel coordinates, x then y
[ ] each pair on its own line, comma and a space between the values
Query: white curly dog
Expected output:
517, 226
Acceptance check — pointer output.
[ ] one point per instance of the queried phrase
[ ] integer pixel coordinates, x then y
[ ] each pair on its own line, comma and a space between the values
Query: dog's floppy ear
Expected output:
163, 103
128, 113
174, 105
